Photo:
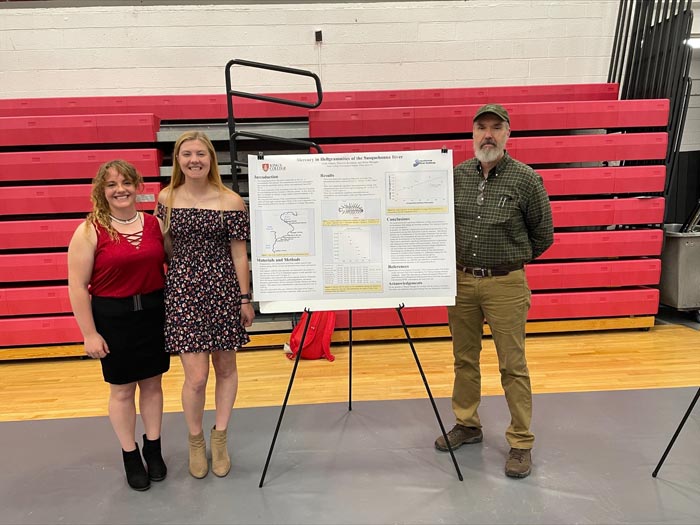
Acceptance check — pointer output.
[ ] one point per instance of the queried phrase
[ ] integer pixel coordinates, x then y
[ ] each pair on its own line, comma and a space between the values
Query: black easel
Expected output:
678, 431
294, 370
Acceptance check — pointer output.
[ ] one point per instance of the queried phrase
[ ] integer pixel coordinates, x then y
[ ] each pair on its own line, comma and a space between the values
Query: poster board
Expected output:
352, 231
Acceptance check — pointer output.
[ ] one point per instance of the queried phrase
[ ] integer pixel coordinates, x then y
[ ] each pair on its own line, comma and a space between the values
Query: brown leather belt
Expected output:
487, 272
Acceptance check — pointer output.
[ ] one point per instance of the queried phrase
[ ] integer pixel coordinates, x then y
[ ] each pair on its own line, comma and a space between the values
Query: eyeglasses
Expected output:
480, 196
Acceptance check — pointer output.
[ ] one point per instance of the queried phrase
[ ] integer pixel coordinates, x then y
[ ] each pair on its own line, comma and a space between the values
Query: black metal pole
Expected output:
652, 32
623, 52
642, 47
675, 435
631, 52
660, 87
617, 42
286, 397
659, 52
349, 359
427, 388
231, 123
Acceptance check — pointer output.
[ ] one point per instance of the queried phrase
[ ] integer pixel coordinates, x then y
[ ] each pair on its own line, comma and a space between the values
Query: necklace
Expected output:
195, 202
124, 221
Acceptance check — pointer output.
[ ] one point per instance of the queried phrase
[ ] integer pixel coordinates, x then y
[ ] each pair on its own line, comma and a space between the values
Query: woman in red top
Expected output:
115, 281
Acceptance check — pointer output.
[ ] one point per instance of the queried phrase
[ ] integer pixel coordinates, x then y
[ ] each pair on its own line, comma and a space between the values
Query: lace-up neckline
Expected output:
134, 238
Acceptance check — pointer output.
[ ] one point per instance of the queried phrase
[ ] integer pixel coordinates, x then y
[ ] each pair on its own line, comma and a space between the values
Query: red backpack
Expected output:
317, 343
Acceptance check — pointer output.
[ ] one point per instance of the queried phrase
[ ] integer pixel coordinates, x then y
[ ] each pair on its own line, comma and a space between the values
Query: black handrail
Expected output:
231, 120
284, 140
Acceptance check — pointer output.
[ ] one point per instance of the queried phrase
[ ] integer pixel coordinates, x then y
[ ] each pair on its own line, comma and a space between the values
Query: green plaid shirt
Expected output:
514, 224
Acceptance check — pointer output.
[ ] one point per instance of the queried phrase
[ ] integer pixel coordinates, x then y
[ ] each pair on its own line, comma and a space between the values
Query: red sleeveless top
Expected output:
122, 270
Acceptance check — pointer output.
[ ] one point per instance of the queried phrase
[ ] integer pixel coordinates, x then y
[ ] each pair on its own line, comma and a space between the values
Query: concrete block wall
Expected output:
92, 50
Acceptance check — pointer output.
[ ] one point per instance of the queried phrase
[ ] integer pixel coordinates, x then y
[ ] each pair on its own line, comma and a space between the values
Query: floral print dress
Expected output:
202, 294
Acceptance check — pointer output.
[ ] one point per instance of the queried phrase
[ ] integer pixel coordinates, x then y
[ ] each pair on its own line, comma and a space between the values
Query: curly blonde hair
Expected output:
100, 207
178, 178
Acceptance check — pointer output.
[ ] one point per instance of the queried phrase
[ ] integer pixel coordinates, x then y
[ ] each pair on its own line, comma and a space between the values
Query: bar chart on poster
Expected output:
352, 230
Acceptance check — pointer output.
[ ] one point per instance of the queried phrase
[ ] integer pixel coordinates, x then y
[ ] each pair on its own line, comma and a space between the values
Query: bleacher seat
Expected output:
34, 300
22, 235
78, 129
213, 107
544, 306
536, 150
604, 180
430, 120
73, 164
67, 198
45, 330
28, 267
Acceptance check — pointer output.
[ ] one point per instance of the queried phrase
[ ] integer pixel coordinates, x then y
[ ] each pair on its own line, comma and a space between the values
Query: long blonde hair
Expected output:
178, 178
100, 207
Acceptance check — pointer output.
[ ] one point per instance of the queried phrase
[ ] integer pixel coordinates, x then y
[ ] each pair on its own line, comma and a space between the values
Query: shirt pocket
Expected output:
507, 209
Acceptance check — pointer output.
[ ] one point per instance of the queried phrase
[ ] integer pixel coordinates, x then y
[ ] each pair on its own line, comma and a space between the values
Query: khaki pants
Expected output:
503, 302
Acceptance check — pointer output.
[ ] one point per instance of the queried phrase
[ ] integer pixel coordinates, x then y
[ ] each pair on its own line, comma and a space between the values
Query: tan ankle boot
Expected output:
220, 461
198, 456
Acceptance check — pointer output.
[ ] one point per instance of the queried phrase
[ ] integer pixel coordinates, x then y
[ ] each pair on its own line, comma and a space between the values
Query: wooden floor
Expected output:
662, 357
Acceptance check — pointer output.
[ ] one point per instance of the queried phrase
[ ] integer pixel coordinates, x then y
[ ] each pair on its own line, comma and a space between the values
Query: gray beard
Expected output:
488, 156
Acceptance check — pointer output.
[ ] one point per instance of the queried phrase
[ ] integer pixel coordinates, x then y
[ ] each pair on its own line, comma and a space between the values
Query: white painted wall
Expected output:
129, 50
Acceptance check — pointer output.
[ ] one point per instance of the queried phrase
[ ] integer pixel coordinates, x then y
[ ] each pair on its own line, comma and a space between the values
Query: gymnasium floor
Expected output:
376, 464
593, 458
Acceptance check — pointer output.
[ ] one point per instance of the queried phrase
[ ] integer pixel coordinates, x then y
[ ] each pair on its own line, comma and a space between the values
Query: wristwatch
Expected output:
246, 296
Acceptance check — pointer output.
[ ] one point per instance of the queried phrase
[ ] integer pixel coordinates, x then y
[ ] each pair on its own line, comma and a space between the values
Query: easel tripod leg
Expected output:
675, 435
286, 397
349, 360
427, 388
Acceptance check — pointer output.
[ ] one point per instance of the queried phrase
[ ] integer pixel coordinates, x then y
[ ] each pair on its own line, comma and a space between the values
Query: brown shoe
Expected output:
458, 436
220, 461
199, 466
519, 463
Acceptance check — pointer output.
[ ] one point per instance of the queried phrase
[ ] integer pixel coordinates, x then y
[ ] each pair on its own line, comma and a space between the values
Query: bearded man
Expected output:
503, 220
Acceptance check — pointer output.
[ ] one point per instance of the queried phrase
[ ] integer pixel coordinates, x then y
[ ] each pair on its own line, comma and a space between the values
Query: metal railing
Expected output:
231, 120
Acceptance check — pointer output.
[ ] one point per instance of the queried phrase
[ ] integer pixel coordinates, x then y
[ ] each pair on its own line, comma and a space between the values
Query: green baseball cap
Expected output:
496, 109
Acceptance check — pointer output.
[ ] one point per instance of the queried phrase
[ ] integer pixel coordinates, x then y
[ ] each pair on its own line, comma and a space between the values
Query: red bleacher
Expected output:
537, 150
427, 120
28, 267
608, 212
74, 164
593, 274
34, 300
604, 180
605, 244
54, 299
609, 272
213, 107
78, 129
69, 198
43, 330
544, 306
18, 235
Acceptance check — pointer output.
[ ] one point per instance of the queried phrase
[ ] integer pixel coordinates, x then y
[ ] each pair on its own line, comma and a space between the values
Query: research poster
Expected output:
352, 231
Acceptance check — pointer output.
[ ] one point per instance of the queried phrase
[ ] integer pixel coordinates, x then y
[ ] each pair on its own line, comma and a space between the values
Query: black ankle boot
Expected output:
154, 459
136, 474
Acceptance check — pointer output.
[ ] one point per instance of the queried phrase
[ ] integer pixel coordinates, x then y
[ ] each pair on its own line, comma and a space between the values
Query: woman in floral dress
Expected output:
207, 290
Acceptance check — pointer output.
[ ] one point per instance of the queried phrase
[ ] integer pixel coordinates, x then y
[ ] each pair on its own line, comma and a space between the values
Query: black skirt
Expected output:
133, 329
